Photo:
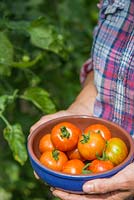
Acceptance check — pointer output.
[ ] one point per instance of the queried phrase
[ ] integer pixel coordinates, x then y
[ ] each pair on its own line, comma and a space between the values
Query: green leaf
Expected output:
46, 37
30, 63
16, 140
6, 54
5, 195
6, 99
3, 102
40, 98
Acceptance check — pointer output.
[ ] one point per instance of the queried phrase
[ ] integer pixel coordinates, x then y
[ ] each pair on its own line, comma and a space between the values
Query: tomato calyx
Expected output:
86, 138
103, 157
55, 154
64, 132
86, 170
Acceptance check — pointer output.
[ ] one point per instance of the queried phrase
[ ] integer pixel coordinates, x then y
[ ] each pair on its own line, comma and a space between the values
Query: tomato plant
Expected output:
45, 143
116, 150
53, 159
100, 128
73, 166
65, 136
97, 166
91, 145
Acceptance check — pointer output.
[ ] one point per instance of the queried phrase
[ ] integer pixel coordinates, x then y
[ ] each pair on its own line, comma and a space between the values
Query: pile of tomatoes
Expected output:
69, 150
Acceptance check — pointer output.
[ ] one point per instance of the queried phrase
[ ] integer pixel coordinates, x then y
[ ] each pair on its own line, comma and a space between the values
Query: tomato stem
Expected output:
64, 132
85, 138
99, 132
103, 157
55, 154
85, 169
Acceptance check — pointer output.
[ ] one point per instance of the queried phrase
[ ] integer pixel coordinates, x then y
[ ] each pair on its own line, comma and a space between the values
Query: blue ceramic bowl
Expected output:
74, 183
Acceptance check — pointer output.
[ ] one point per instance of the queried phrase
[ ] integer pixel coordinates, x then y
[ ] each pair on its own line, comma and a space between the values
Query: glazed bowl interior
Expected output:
80, 121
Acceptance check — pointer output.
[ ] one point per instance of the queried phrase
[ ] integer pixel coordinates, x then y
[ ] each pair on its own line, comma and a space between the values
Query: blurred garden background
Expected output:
43, 45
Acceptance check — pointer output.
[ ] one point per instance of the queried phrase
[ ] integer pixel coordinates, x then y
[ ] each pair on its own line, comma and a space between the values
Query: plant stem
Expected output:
5, 120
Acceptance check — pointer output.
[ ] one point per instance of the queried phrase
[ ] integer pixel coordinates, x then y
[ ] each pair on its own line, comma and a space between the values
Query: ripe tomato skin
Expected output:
53, 159
45, 143
75, 154
65, 136
92, 147
73, 166
104, 131
116, 150
98, 166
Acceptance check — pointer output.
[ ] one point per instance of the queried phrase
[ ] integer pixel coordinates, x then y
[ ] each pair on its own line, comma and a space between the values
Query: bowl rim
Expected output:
32, 156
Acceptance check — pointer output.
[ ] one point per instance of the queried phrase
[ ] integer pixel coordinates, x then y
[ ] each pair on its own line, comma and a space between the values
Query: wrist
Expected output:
79, 108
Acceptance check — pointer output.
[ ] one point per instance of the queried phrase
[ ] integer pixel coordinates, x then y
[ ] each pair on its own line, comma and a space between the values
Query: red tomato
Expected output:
74, 154
116, 150
91, 145
73, 166
65, 136
100, 128
53, 159
97, 166
45, 143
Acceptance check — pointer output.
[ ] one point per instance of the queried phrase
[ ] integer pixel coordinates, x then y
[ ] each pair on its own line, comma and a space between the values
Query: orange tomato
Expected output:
97, 166
73, 166
45, 143
100, 128
74, 154
53, 159
91, 145
65, 136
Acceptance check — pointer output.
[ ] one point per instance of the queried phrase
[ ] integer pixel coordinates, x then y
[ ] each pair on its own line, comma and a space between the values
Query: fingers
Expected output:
116, 195
36, 176
124, 180
99, 186
68, 196
50, 117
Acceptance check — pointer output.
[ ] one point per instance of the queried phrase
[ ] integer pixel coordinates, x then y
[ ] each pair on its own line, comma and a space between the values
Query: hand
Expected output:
118, 187
74, 109
49, 117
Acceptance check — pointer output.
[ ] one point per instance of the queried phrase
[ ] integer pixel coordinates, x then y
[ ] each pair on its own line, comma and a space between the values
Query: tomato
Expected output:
100, 128
74, 154
91, 145
97, 166
53, 159
65, 136
45, 143
73, 166
116, 150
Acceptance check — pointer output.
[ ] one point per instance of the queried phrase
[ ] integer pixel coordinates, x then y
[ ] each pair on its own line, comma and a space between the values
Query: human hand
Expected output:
46, 118
118, 187
74, 109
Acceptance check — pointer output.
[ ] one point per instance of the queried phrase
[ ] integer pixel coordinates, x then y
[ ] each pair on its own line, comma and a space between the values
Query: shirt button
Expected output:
121, 76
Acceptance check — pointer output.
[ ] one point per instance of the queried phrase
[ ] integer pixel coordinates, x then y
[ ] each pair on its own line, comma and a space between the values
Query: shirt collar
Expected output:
118, 4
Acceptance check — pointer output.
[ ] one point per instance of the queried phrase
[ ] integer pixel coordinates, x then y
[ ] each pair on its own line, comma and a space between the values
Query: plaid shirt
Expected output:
112, 60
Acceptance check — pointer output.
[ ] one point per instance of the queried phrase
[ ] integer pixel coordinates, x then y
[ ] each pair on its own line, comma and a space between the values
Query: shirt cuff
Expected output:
86, 68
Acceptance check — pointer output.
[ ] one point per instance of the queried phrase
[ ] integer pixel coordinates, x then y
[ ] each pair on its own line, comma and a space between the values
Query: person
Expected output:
108, 92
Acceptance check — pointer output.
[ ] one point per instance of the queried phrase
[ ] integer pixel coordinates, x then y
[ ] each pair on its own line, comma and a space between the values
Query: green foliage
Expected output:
40, 98
6, 54
43, 45
14, 135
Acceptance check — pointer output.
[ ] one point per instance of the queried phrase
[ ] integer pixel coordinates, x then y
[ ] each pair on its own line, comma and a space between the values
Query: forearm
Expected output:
84, 102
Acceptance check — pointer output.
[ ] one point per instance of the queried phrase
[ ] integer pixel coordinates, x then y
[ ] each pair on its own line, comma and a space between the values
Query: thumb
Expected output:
101, 185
